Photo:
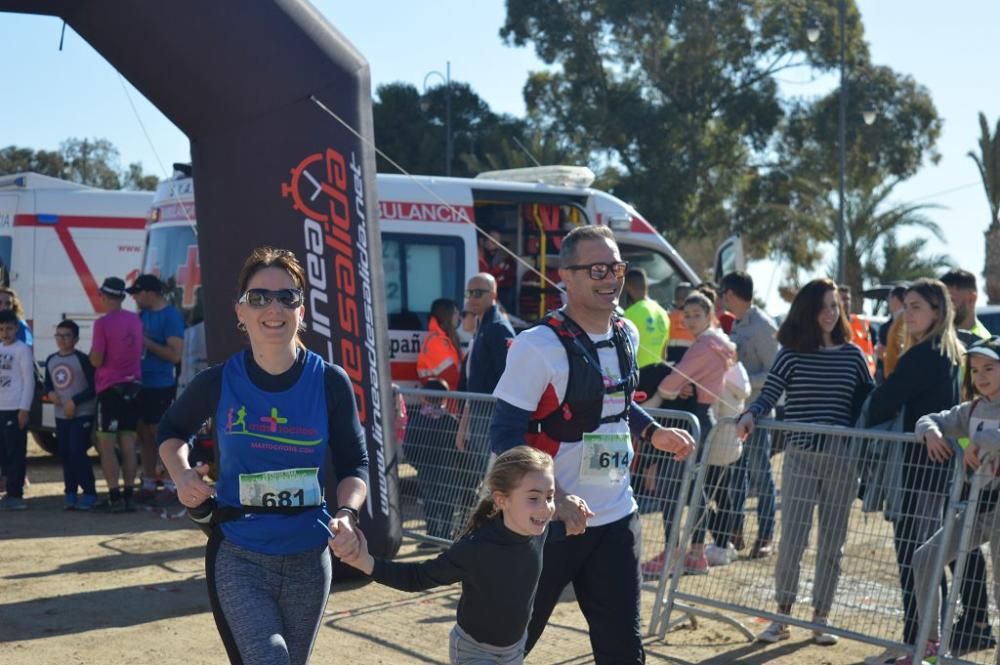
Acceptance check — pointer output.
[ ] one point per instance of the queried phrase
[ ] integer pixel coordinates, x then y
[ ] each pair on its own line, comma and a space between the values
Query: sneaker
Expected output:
930, 655
887, 657
69, 502
717, 556
774, 633
13, 503
166, 498
761, 549
823, 638
128, 505
86, 502
654, 567
110, 505
145, 497
967, 637
696, 565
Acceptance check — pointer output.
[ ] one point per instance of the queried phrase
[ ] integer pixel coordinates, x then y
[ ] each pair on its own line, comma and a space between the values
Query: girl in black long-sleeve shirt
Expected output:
498, 560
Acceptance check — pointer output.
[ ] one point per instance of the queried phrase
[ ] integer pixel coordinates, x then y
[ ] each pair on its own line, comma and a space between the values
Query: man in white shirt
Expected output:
17, 389
587, 427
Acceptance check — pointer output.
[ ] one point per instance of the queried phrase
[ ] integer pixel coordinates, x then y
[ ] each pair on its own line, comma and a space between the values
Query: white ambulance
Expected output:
430, 247
58, 242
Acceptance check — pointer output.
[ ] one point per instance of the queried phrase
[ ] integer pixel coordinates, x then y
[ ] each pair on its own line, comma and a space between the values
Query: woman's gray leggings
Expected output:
267, 607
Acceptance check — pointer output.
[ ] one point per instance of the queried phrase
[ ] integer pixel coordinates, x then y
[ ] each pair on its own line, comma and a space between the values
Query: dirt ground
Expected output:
83, 588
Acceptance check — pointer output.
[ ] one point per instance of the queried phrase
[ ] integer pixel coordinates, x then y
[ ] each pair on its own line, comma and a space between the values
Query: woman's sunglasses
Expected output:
261, 298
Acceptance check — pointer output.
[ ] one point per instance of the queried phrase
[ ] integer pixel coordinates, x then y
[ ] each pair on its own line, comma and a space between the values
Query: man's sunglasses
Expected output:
476, 293
599, 271
261, 298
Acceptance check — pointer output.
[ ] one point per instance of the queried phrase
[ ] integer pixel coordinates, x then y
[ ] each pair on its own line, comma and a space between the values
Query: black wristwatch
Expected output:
355, 516
646, 437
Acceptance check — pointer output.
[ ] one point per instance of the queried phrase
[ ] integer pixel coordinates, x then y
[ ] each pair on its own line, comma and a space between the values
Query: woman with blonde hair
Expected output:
924, 381
9, 300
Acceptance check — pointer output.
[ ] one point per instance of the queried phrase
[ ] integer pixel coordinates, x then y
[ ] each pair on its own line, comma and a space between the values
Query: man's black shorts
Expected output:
116, 408
154, 402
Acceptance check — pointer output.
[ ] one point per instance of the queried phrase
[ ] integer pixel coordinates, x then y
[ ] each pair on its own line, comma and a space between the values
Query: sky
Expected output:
53, 95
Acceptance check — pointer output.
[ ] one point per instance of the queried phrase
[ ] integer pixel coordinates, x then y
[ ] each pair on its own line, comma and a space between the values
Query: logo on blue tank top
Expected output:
270, 427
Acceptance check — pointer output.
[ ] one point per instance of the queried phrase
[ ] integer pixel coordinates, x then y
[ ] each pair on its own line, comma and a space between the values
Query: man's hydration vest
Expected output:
581, 408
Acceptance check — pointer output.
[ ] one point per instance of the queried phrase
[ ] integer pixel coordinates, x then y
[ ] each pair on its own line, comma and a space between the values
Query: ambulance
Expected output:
58, 241
431, 247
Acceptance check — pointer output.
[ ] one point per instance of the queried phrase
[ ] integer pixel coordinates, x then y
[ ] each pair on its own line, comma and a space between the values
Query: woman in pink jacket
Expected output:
703, 369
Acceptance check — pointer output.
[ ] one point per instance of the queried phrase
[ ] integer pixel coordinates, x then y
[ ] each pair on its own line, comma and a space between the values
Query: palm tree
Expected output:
904, 263
512, 154
988, 163
872, 221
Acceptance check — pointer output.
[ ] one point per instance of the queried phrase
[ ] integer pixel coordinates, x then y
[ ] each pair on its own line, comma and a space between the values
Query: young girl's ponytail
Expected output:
505, 475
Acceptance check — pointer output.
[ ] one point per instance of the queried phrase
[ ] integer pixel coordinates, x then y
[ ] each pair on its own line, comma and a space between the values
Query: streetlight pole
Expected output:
446, 77
842, 148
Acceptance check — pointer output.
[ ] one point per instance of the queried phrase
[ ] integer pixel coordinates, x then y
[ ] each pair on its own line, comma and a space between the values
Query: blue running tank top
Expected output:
272, 451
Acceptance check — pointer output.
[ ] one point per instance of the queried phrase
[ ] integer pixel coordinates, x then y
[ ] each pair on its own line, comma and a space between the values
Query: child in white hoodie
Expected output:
17, 389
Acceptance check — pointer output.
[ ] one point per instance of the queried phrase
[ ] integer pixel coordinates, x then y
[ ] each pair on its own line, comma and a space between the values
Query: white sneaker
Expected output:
774, 633
887, 656
717, 556
821, 637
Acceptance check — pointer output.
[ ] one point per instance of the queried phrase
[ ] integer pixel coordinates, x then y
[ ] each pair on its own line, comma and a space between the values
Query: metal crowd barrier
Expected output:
440, 484
839, 559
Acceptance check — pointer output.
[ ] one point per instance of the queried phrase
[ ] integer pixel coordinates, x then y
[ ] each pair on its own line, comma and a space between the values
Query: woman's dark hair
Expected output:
271, 257
443, 311
506, 474
800, 330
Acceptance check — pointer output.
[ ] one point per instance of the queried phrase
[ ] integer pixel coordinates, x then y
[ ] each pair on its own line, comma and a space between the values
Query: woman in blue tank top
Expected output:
279, 410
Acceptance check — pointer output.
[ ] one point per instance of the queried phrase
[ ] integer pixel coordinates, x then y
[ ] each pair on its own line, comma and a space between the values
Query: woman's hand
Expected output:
192, 490
744, 426
937, 448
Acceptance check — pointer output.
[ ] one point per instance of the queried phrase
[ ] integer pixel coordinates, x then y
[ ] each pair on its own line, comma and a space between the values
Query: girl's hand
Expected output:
360, 559
937, 448
192, 491
971, 457
345, 543
744, 426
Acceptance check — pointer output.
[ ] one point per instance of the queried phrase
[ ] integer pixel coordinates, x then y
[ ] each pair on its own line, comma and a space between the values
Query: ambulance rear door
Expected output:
8, 209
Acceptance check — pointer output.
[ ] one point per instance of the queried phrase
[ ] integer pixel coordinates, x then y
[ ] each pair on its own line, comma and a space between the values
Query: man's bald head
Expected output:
480, 293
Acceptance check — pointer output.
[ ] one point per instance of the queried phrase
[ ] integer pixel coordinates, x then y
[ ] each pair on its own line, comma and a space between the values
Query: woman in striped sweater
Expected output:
824, 379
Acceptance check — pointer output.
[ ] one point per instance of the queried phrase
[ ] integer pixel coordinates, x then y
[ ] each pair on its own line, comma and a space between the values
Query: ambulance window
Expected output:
419, 269
663, 277
5, 259
172, 255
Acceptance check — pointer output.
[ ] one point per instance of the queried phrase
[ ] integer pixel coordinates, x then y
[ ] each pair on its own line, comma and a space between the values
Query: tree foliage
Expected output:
681, 97
411, 129
92, 162
906, 262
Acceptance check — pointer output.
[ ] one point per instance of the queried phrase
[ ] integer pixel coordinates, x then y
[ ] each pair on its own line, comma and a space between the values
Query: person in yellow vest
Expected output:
648, 316
861, 333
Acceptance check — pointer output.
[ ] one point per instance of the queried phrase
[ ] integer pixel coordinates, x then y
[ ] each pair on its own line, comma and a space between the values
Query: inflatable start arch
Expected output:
245, 81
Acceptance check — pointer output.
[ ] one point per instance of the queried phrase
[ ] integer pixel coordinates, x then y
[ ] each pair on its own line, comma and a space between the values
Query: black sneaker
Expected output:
968, 637
128, 505
110, 505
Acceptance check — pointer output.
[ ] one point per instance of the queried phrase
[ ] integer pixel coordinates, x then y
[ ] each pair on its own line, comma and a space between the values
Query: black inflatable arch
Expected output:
242, 79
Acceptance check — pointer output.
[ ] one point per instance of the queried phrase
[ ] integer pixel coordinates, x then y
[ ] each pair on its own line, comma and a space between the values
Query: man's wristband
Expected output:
646, 437
355, 516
